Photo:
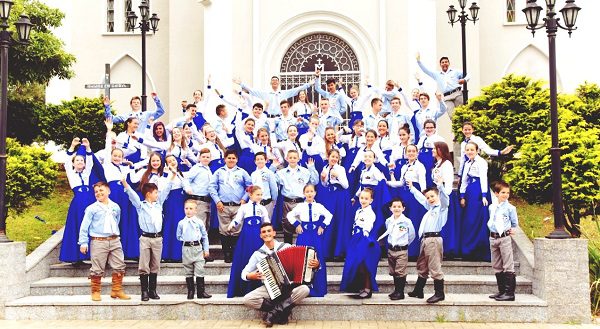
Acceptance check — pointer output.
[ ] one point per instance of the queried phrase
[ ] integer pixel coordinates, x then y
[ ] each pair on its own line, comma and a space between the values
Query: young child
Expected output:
250, 216
150, 219
436, 201
101, 224
503, 218
265, 179
400, 234
360, 267
78, 174
192, 233
311, 219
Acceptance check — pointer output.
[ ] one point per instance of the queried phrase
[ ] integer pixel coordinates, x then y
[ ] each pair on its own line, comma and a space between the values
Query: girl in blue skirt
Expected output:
78, 174
353, 143
250, 215
474, 201
360, 267
311, 220
333, 194
245, 138
398, 158
444, 170
413, 171
173, 211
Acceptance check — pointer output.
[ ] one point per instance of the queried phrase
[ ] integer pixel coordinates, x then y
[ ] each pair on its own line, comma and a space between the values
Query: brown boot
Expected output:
96, 283
117, 286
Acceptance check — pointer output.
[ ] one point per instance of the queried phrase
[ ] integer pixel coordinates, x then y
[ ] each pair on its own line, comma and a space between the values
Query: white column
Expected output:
218, 42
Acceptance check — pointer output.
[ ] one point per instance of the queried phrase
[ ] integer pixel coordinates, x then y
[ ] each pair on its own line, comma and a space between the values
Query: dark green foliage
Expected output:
31, 174
25, 101
81, 117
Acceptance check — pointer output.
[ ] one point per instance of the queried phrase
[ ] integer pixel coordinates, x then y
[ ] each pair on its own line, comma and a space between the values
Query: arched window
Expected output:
332, 55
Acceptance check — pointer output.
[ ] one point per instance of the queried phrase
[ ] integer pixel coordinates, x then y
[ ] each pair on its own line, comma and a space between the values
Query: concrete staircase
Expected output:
63, 293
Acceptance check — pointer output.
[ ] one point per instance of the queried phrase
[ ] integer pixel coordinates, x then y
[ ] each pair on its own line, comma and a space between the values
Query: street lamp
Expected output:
551, 23
145, 25
23, 26
463, 18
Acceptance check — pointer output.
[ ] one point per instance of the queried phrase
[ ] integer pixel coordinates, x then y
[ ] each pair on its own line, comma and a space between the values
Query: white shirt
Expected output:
340, 179
251, 209
446, 171
300, 215
401, 231
364, 218
81, 178
477, 167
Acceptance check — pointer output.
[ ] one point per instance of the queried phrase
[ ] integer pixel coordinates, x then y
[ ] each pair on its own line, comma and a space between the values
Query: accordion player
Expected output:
287, 268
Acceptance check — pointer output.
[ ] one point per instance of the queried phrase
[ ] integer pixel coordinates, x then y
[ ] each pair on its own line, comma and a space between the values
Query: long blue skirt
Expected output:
69, 249
248, 242
246, 161
413, 210
172, 214
337, 235
426, 158
380, 207
353, 177
364, 251
128, 225
473, 234
309, 237
451, 231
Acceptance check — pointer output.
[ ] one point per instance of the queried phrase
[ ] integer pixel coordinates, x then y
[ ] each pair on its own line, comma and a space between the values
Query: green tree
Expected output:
44, 57
25, 101
589, 94
80, 117
30, 174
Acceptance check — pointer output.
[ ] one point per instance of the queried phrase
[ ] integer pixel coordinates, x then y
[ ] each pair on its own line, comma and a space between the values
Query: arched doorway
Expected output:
327, 52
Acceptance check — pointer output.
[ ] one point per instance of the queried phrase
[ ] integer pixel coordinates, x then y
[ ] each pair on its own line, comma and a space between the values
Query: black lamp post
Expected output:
551, 23
463, 18
23, 29
145, 25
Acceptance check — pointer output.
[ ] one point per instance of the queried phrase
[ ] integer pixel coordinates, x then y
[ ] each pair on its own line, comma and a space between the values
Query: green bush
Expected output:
25, 101
31, 174
589, 94
80, 117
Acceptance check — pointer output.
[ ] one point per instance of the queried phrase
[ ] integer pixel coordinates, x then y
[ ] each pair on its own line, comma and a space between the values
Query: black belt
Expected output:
265, 202
499, 235
451, 91
294, 200
270, 116
152, 235
230, 204
397, 248
204, 198
431, 234
191, 243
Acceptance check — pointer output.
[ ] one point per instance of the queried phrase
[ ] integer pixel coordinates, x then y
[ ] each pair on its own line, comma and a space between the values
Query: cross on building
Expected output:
107, 86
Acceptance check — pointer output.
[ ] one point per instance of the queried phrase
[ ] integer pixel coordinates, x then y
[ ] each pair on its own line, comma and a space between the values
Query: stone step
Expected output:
218, 267
456, 307
461, 284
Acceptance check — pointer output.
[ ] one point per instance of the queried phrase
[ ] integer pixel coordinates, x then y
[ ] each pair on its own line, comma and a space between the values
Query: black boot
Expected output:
200, 292
501, 287
438, 296
510, 283
191, 287
399, 283
144, 284
267, 305
227, 257
152, 286
275, 315
418, 290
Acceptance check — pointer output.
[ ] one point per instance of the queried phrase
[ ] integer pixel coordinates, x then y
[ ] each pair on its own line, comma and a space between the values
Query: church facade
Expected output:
355, 40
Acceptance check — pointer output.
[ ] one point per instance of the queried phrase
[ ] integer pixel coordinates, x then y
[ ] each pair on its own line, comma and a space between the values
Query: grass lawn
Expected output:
25, 227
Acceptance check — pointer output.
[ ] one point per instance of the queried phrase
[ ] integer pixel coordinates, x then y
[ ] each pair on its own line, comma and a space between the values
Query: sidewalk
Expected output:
172, 324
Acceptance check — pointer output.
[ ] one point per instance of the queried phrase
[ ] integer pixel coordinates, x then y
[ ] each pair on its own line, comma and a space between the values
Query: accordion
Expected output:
287, 267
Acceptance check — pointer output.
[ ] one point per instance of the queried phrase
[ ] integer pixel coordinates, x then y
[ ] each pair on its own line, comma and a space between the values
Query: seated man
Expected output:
276, 311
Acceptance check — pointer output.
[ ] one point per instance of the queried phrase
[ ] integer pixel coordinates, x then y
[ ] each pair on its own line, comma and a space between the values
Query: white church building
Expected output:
353, 39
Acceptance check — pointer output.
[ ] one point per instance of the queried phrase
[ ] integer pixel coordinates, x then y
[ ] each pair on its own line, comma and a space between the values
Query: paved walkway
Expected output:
169, 324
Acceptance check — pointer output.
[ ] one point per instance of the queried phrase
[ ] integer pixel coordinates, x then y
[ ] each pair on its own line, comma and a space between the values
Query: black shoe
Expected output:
200, 293
276, 315
144, 284
190, 287
418, 290
363, 294
267, 305
399, 283
152, 286
501, 285
339, 259
510, 284
209, 259
439, 295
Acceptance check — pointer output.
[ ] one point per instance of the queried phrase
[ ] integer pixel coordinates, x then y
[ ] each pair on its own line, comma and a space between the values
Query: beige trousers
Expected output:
103, 252
430, 258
